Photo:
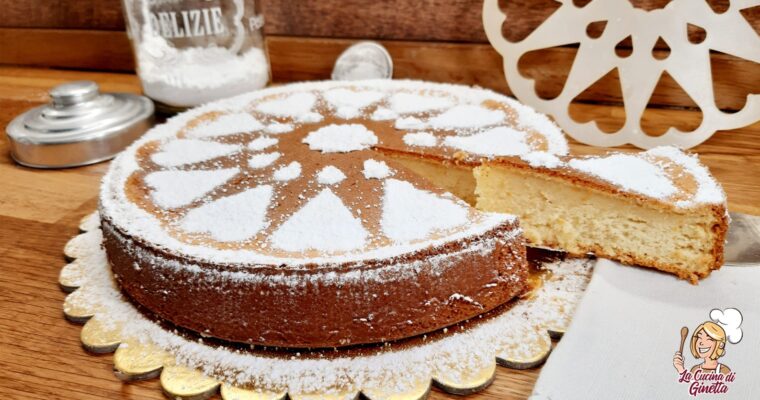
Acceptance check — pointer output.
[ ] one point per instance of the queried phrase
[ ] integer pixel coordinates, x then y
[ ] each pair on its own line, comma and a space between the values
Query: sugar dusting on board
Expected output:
294, 105
507, 336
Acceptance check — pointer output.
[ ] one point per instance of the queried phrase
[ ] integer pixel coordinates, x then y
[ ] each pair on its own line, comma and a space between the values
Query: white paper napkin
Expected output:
626, 330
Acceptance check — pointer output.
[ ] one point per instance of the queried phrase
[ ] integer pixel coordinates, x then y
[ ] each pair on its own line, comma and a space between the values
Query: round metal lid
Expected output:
80, 126
363, 60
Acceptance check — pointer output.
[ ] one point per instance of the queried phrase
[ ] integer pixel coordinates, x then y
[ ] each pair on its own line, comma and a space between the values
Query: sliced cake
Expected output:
331, 214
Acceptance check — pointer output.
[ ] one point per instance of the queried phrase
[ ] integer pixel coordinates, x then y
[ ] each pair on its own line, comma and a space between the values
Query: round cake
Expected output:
298, 216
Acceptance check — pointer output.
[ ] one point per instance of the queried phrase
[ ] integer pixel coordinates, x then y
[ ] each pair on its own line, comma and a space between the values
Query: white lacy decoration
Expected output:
688, 63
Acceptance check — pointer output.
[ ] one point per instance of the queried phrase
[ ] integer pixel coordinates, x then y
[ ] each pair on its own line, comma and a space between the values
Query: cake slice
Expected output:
660, 208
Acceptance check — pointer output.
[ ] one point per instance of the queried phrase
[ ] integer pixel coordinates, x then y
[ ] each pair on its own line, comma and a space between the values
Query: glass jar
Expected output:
190, 52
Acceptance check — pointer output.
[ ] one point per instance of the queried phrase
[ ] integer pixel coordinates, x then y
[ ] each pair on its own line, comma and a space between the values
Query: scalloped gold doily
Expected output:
461, 362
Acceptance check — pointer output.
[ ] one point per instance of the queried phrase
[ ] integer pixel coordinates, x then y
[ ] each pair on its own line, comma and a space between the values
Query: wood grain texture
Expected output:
429, 20
66, 48
40, 353
62, 14
300, 58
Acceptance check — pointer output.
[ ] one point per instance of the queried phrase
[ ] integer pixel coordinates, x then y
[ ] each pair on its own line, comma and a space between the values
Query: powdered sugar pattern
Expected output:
376, 169
409, 123
288, 172
228, 124
261, 143
383, 114
178, 188
467, 116
340, 138
500, 141
294, 105
421, 139
630, 172
323, 224
408, 103
263, 160
276, 128
330, 175
412, 214
233, 218
187, 151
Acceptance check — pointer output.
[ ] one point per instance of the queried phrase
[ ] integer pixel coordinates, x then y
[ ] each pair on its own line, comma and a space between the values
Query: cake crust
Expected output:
325, 306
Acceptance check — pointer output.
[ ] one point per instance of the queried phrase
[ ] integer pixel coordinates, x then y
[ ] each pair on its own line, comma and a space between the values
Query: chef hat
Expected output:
730, 320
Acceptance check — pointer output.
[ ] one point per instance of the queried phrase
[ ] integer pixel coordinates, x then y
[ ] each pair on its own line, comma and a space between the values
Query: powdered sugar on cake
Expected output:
261, 143
176, 188
422, 139
467, 116
323, 224
500, 141
341, 138
465, 125
408, 103
708, 190
233, 218
288, 172
376, 169
330, 175
263, 160
189, 151
629, 172
412, 214
228, 124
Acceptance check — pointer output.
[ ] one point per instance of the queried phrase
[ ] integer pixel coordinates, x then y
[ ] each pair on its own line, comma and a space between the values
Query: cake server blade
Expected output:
743, 243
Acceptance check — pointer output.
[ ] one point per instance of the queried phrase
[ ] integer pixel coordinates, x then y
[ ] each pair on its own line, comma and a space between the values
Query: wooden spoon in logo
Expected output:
684, 332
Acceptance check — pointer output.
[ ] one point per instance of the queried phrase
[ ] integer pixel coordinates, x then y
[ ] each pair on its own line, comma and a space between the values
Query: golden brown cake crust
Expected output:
319, 308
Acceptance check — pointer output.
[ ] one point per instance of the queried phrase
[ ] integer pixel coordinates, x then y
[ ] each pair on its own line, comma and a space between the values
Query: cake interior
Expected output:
558, 213
455, 179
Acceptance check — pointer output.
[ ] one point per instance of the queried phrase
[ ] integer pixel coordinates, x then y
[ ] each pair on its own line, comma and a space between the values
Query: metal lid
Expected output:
80, 126
363, 60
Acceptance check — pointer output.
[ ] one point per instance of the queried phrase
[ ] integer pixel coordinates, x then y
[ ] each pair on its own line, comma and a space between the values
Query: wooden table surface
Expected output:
40, 352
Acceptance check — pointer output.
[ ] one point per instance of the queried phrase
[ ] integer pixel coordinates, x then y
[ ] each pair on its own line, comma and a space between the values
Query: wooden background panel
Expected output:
67, 48
87, 34
428, 20
62, 14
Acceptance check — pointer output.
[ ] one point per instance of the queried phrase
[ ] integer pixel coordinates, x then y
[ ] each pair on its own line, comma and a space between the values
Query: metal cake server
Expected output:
743, 242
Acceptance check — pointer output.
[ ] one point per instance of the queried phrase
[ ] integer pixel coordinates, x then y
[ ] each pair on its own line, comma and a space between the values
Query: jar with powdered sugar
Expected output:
190, 52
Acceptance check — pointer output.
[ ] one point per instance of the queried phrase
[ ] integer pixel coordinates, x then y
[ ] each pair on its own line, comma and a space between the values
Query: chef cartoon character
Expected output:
709, 340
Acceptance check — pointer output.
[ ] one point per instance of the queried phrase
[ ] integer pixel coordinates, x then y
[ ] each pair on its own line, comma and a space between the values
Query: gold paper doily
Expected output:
463, 361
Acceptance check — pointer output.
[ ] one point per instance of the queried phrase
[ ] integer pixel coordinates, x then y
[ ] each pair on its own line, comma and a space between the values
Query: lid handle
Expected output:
71, 93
